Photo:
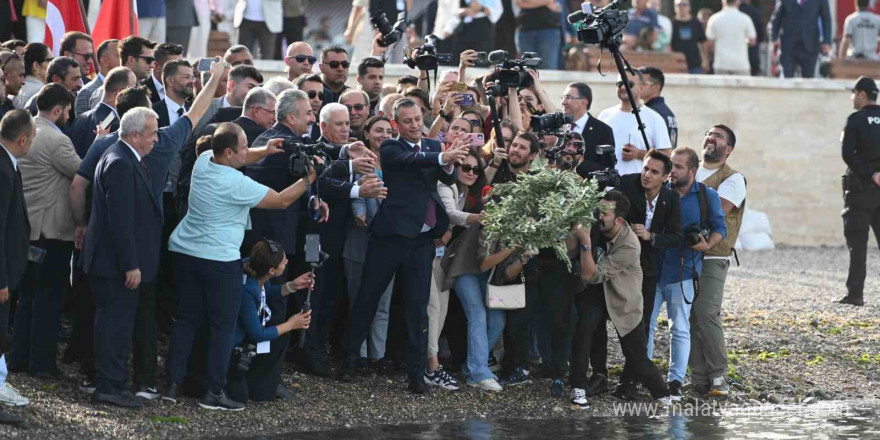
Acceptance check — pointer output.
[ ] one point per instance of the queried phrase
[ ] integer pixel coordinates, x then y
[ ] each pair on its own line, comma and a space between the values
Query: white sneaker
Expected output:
10, 397
579, 399
489, 384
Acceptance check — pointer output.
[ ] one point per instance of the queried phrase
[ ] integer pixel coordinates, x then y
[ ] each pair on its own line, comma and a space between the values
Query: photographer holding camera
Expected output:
703, 227
206, 243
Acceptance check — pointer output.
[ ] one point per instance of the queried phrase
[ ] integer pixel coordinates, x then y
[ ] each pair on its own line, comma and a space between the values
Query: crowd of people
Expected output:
156, 199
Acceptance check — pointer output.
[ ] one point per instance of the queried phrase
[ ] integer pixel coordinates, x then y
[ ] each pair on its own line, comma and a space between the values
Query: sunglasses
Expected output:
87, 56
468, 169
46, 60
303, 58
149, 60
620, 83
336, 64
312, 94
356, 107
274, 247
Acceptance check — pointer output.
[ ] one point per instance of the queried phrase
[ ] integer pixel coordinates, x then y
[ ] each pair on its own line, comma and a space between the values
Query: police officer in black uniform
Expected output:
861, 184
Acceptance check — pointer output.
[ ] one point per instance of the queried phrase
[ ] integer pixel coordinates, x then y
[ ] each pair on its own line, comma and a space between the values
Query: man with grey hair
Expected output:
358, 104
277, 85
83, 133
335, 125
124, 232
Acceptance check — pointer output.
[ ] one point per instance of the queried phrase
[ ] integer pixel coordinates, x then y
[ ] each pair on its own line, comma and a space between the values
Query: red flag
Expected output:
117, 19
62, 16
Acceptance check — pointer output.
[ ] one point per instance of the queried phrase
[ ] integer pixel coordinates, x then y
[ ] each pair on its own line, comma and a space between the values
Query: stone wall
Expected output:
788, 138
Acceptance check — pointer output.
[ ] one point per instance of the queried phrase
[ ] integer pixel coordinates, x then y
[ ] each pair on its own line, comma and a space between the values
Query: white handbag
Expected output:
509, 297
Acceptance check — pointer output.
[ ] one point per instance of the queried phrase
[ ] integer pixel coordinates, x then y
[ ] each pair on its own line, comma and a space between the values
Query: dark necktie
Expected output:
180, 112
431, 212
144, 167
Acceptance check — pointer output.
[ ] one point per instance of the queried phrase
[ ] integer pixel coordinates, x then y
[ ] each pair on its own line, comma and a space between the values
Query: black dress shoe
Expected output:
171, 393
346, 375
10, 418
282, 393
318, 369
625, 391
418, 386
598, 385
851, 301
123, 399
52, 372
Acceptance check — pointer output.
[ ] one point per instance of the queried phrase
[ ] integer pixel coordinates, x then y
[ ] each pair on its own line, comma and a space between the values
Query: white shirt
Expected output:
731, 29
159, 86
136, 154
732, 189
649, 211
864, 28
579, 125
11, 157
496, 9
254, 11
173, 107
626, 131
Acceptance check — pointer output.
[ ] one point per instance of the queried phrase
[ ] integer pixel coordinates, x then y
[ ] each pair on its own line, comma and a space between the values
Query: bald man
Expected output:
300, 59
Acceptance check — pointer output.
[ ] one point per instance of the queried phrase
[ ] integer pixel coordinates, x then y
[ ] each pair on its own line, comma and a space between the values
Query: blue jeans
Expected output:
484, 325
546, 42
679, 311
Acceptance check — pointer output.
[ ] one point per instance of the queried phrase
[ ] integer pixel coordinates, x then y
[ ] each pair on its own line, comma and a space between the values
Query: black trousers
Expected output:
517, 339
798, 56
254, 33
591, 316
555, 293
478, 35
38, 314
329, 288
146, 332
82, 337
291, 33
860, 213
262, 379
408, 259
115, 311
210, 291
166, 286
635, 352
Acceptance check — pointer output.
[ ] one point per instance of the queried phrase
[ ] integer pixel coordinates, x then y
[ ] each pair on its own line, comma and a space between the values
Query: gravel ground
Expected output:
788, 342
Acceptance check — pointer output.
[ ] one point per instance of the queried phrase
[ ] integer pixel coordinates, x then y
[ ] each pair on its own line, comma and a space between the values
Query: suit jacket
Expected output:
161, 108
83, 132
151, 86
801, 24
411, 179
180, 13
84, 97
125, 226
335, 185
272, 11
14, 226
357, 237
665, 225
226, 114
595, 133
47, 172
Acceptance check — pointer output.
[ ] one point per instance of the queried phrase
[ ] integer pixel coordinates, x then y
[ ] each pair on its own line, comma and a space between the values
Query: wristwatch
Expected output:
447, 118
585, 247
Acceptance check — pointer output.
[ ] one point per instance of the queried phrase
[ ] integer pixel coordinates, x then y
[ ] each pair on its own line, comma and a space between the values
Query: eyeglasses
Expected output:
312, 94
620, 83
87, 56
356, 107
304, 58
4, 60
270, 110
569, 97
336, 64
470, 169
149, 60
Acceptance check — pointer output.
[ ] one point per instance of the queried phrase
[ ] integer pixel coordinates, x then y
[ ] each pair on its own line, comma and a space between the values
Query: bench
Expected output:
851, 69
668, 62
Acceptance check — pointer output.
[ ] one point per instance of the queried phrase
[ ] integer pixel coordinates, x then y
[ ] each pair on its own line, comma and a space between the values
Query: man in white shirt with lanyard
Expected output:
708, 359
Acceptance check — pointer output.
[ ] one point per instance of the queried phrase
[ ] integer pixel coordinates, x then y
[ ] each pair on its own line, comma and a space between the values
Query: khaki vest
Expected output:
733, 218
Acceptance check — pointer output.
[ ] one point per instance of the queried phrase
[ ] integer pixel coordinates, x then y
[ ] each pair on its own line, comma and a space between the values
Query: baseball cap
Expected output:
865, 84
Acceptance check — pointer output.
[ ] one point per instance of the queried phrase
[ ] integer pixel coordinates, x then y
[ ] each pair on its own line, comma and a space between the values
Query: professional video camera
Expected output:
390, 33
600, 26
512, 72
609, 176
302, 157
551, 123
563, 142
425, 57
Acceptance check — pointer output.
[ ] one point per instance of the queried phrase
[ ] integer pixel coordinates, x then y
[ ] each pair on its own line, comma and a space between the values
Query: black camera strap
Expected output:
703, 202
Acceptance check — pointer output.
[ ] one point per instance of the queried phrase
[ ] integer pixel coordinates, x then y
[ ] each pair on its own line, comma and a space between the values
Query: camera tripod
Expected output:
613, 45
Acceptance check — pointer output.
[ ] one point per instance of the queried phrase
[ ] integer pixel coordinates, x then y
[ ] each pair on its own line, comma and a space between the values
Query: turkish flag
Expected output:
117, 19
62, 16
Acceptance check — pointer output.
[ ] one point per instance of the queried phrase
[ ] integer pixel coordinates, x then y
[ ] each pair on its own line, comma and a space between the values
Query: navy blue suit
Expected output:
799, 29
399, 247
124, 233
83, 132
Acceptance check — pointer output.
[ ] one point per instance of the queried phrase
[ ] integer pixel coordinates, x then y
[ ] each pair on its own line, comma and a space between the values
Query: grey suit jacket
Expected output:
84, 97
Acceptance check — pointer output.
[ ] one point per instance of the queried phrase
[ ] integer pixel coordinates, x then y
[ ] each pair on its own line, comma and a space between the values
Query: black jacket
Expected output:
595, 133
83, 133
151, 86
14, 226
665, 225
125, 226
161, 108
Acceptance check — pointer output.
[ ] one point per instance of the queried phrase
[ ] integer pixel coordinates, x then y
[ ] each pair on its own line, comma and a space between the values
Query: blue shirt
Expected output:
658, 104
249, 325
220, 200
151, 8
637, 22
672, 270
157, 162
